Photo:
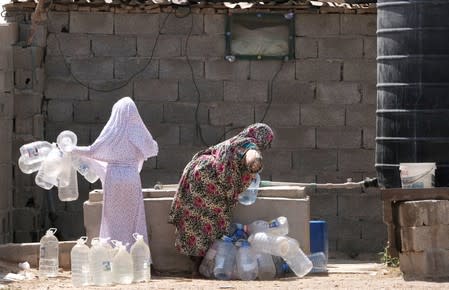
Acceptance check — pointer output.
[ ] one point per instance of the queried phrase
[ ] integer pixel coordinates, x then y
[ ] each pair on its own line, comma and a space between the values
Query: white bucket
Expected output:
417, 175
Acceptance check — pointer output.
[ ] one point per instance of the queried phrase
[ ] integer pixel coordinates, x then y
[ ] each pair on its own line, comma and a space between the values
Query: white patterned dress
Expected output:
120, 150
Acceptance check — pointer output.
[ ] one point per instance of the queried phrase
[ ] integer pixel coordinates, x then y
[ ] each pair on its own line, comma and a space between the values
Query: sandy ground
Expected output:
342, 274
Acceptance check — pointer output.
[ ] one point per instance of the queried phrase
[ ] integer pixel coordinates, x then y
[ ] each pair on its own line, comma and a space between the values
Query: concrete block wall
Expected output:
424, 232
8, 36
322, 102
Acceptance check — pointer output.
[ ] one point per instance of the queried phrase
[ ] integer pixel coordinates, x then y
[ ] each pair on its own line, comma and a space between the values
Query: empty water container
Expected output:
79, 257
278, 226
100, 262
267, 269
224, 260
122, 265
141, 256
49, 254
246, 262
207, 265
270, 244
296, 259
319, 262
249, 196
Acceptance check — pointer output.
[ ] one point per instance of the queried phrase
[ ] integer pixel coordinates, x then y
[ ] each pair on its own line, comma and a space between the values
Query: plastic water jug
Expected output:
141, 256
246, 260
281, 266
238, 232
66, 141
207, 265
296, 259
79, 257
47, 176
122, 265
68, 192
84, 167
270, 244
32, 155
319, 262
249, 196
225, 258
267, 269
100, 263
278, 226
49, 254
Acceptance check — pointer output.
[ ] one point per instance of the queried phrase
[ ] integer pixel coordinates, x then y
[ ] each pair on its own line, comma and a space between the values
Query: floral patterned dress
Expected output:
209, 187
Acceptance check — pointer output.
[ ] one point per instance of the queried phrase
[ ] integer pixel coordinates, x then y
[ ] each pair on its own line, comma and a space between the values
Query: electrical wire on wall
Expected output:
126, 82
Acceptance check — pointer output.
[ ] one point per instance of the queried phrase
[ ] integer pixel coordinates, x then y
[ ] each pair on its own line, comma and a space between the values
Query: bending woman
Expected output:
209, 187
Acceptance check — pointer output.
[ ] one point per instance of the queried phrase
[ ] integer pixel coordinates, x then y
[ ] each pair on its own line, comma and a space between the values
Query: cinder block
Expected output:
432, 263
27, 58
318, 70
278, 114
339, 137
6, 59
38, 36
38, 126
151, 113
97, 68
170, 24
369, 138
349, 205
24, 126
369, 93
91, 111
165, 257
294, 137
109, 90
224, 70
166, 134
317, 24
63, 89
91, 22
180, 69
306, 47
24, 219
26, 105
322, 115
82, 131
359, 24
154, 90
373, 230
139, 67
57, 21
6, 81
338, 92
285, 92
175, 158
356, 159
312, 161
340, 176
56, 67
354, 247
340, 48
214, 23
209, 91
69, 225
6, 187
9, 33
167, 46
361, 115
60, 111
23, 79
136, 23
423, 213
184, 113
421, 238
204, 46
152, 176
113, 45
323, 204
246, 91
272, 70
277, 160
360, 70
211, 135
370, 47
231, 114
68, 44
5, 148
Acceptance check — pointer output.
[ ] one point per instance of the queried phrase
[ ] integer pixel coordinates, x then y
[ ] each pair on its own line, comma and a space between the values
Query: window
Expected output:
260, 36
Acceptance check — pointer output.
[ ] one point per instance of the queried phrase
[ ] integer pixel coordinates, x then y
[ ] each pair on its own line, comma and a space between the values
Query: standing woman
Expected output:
209, 187
118, 155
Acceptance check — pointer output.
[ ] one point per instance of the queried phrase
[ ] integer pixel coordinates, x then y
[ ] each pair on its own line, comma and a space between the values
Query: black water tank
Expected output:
412, 87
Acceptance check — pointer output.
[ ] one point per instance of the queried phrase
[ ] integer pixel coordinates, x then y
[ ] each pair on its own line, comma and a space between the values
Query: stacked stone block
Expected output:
424, 233
321, 104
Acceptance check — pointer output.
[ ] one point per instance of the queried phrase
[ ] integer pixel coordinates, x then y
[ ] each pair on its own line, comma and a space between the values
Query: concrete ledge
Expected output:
161, 234
18, 253
433, 263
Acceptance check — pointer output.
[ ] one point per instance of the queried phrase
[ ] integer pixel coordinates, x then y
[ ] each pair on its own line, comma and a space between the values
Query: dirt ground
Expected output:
342, 274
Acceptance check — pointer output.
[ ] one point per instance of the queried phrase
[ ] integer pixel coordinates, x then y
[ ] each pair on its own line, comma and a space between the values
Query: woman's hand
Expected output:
253, 161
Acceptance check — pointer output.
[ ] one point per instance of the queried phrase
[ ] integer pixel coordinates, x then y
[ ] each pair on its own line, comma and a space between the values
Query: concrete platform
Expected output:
289, 201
